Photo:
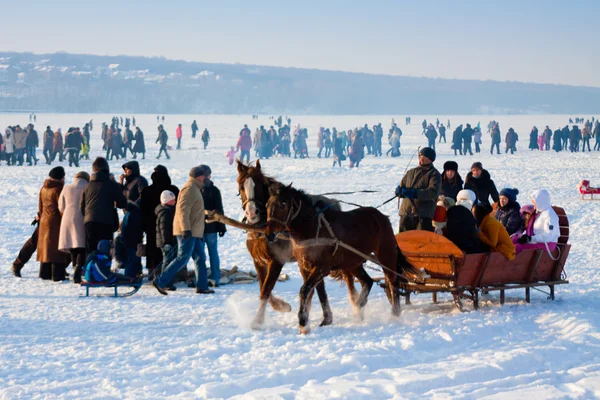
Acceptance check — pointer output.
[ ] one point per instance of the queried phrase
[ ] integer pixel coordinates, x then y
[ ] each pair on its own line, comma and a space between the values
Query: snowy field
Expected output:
54, 344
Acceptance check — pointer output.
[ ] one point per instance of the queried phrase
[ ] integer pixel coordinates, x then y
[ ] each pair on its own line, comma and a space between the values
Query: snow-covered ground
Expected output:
54, 344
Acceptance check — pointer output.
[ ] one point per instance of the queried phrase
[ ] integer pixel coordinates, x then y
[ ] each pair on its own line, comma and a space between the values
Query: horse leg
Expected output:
313, 277
273, 271
327, 314
352, 293
259, 318
367, 283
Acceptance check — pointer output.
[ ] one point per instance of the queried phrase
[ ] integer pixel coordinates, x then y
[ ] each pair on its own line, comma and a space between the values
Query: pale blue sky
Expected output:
533, 41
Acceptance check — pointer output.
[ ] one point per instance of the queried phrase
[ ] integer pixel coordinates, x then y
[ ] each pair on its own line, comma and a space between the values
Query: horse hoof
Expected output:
256, 325
325, 322
304, 330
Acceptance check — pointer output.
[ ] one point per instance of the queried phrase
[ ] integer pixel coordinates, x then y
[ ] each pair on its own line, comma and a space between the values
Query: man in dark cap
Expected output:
188, 228
213, 201
419, 191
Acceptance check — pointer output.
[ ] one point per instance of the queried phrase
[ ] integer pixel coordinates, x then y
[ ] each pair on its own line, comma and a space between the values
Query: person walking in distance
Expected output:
162, 139
178, 136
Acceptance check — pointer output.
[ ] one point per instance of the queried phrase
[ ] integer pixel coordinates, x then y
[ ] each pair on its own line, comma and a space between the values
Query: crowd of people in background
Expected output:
122, 137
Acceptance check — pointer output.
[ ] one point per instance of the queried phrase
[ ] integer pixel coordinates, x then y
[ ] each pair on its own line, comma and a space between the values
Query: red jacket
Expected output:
244, 143
178, 132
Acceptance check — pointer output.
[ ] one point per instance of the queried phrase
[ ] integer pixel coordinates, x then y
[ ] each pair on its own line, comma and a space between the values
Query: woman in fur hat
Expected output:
452, 182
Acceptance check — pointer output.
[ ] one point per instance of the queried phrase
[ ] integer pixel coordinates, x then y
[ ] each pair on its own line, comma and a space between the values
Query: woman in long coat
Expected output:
53, 262
140, 145
72, 229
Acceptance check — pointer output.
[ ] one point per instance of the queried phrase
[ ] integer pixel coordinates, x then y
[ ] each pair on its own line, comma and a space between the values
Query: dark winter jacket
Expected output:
32, 138
496, 137
116, 142
164, 225
48, 139
451, 189
213, 201
533, 139
427, 180
467, 135
483, 187
162, 137
557, 141
510, 217
457, 138
134, 183
357, 152
73, 140
99, 197
151, 198
132, 233
140, 145
461, 229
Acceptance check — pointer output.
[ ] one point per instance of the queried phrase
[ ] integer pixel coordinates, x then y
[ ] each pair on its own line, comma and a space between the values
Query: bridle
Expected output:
292, 215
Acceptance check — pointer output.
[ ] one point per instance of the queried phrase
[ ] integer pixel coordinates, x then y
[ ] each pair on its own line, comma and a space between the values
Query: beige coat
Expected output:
72, 230
189, 213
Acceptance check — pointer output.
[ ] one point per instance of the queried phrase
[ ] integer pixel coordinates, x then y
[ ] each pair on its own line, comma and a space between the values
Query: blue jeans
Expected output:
31, 154
212, 242
19, 154
187, 248
133, 265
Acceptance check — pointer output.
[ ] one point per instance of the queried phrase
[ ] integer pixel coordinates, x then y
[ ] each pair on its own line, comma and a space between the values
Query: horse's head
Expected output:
283, 207
253, 187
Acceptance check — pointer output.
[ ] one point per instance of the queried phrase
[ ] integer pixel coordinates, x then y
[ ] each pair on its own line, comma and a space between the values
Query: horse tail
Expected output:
404, 267
337, 275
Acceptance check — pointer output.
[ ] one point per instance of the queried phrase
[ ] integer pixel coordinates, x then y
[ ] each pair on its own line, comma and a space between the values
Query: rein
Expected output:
290, 217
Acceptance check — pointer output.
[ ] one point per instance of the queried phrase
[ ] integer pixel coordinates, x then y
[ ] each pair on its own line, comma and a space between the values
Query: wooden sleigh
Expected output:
447, 269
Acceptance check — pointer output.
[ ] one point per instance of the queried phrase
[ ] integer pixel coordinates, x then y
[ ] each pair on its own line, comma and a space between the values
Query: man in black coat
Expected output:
73, 142
149, 201
213, 201
457, 138
97, 205
31, 144
480, 182
132, 183
467, 136
48, 144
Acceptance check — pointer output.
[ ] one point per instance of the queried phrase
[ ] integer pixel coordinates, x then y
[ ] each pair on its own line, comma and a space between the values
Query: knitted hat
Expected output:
57, 173
510, 194
477, 165
166, 196
450, 166
428, 152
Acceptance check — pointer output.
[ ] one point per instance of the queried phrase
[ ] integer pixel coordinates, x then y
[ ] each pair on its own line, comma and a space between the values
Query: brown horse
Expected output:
314, 231
269, 257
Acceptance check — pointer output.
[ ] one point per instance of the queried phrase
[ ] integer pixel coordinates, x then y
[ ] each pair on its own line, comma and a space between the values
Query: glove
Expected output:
187, 234
524, 239
221, 234
410, 193
167, 248
399, 191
